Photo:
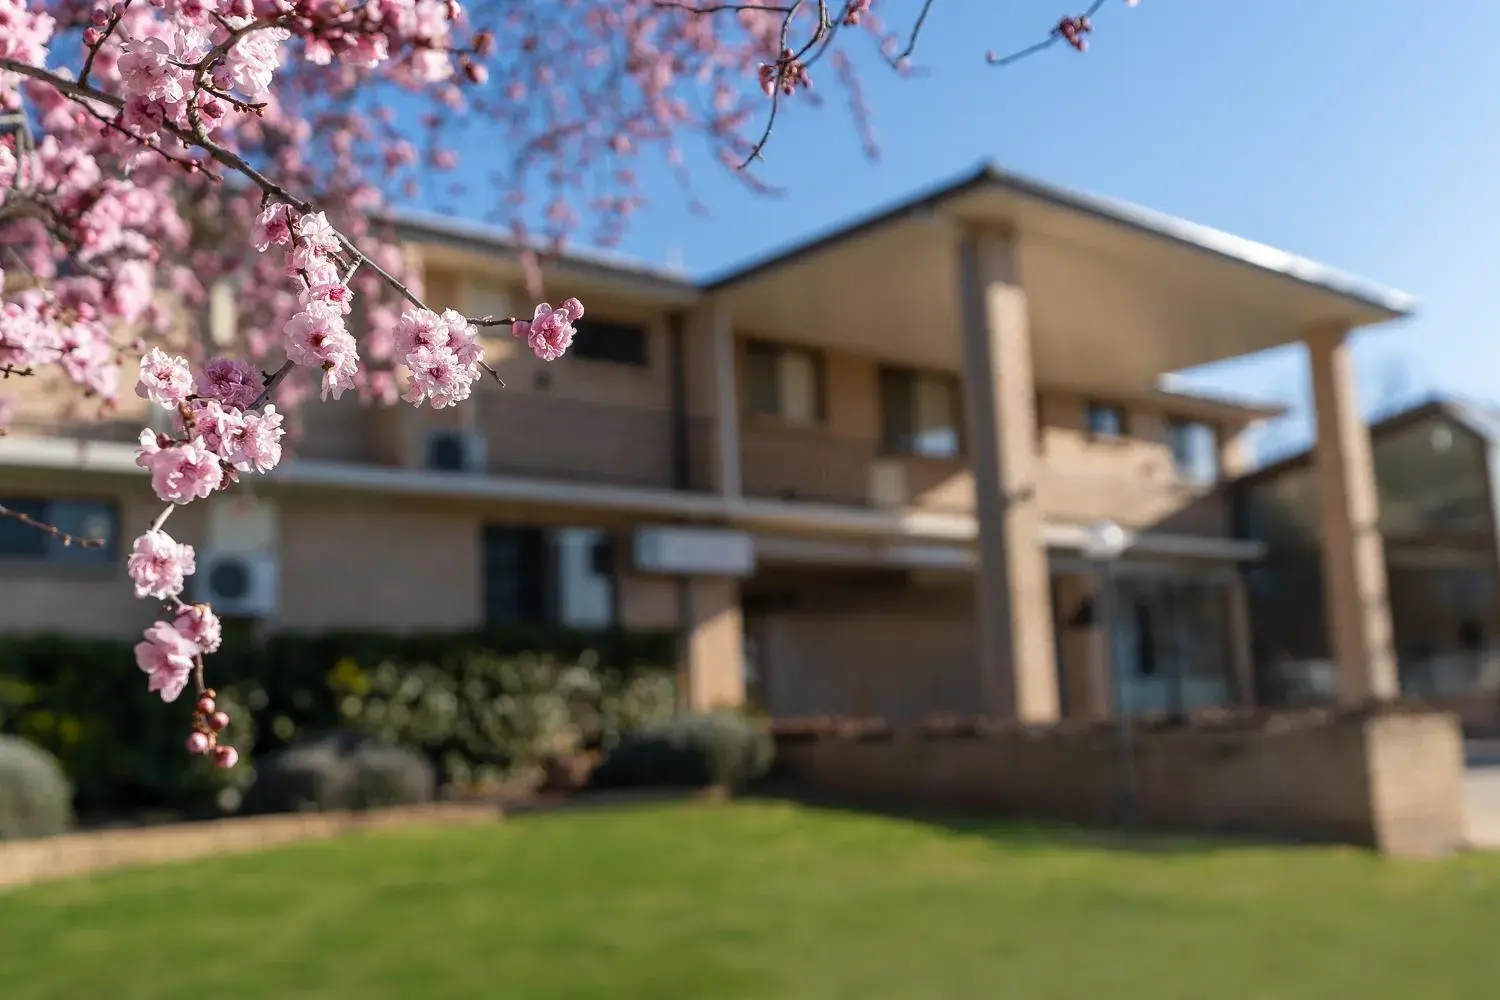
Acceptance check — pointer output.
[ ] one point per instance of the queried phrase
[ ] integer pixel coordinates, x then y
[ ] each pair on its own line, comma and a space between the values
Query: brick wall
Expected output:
1392, 781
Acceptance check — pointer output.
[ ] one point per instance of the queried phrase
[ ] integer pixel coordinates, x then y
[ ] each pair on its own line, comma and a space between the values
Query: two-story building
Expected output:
1436, 468
866, 464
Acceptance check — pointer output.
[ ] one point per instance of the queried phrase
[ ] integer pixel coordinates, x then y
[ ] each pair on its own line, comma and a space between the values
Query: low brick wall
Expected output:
26, 861
1390, 779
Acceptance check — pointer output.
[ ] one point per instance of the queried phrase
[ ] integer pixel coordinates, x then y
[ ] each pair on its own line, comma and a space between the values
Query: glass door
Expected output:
1170, 641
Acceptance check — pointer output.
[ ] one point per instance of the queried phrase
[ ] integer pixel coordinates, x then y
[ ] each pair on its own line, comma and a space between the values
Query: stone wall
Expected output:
1390, 779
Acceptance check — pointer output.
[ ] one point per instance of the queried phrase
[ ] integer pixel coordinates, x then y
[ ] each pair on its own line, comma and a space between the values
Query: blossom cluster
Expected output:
223, 428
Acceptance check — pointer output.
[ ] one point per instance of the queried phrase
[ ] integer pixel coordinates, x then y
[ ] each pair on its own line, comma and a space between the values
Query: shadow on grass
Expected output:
1015, 834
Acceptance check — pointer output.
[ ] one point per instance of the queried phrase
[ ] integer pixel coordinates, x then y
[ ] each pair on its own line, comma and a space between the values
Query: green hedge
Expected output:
85, 701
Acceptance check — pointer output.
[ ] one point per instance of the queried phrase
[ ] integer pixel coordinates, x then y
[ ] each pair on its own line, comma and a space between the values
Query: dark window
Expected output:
562, 576
515, 573
622, 343
1195, 451
920, 413
79, 518
1105, 421
1145, 638
446, 453
784, 382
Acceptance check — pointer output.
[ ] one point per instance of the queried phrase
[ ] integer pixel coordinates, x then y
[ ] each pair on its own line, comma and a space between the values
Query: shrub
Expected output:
692, 751
488, 715
83, 700
340, 771
35, 797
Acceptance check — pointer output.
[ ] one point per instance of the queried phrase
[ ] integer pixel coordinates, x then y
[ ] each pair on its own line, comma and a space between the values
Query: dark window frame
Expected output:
773, 350
1121, 418
1177, 429
889, 435
593, 333
537, 577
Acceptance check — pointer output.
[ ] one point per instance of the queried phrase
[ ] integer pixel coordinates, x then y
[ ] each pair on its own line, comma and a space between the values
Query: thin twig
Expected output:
52, 529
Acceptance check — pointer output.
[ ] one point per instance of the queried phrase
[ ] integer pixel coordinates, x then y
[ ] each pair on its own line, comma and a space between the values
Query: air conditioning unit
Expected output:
451, 450
888, 484
238, 584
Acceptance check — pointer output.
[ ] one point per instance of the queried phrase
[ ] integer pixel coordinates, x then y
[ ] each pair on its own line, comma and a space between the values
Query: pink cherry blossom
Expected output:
334, 292
147, 70
254, 60
213, 422
160, 565
255, 443
272, 227
197, 743
200, 626
166, 656
317, 234
234, 383
316, 337
549, 333
165, 379
180, 472
419, 328
439, 376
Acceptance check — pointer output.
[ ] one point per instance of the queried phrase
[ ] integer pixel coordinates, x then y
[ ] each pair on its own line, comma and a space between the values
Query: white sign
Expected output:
694, 551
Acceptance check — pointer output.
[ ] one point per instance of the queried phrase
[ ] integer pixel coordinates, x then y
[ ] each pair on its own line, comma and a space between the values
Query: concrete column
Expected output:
712, 672
1357, 608
1017, 661
1241, 656
1084, 673
712, 393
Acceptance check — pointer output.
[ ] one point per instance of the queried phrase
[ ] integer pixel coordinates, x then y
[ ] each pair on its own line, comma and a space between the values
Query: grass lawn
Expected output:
765, 900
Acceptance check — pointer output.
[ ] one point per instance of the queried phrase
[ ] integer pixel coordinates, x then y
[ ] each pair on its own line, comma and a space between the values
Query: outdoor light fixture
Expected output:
1105, 541
1104, 544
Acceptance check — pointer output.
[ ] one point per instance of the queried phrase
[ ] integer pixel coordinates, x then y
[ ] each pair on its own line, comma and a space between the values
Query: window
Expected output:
920, 413
784, 382
546, 576
1195, 451
1105, 421
621, 343
79, 518
584, 578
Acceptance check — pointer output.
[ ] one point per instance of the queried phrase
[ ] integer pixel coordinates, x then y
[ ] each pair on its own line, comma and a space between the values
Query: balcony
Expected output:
813, 466
510, 433
522, 434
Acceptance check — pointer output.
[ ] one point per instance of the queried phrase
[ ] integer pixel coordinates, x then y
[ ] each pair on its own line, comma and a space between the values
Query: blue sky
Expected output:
1361, 135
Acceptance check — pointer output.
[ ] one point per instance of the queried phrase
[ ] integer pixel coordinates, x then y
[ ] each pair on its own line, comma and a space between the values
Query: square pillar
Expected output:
712, 395
1017, 657
711, 671
1354, 579
1084, 672
1241, 657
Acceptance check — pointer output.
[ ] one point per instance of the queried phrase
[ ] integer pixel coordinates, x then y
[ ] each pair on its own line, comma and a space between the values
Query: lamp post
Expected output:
1105, 543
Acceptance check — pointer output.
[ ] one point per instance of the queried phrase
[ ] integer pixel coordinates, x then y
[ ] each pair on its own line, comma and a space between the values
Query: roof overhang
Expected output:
1098, 274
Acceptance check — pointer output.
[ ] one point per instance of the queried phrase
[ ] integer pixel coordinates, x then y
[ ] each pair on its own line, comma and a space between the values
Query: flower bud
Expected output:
218, 722
206, 704
197, 743
226, 756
